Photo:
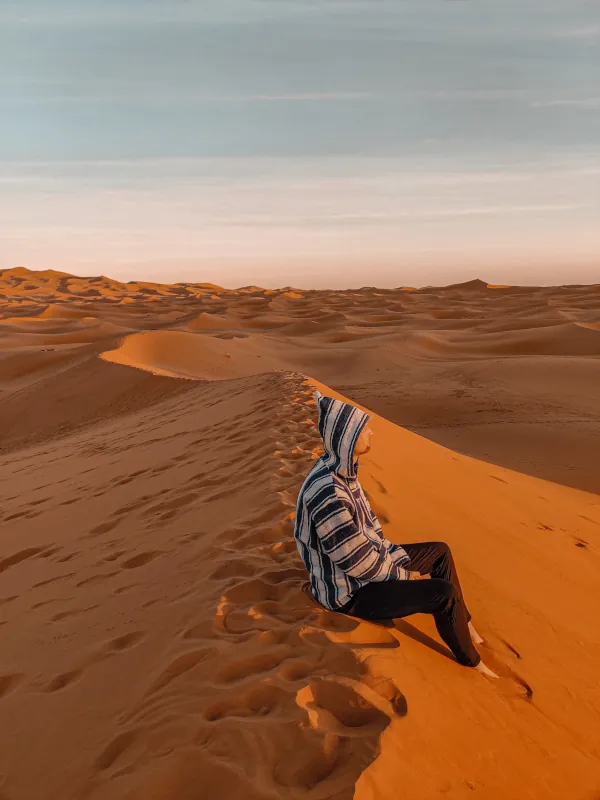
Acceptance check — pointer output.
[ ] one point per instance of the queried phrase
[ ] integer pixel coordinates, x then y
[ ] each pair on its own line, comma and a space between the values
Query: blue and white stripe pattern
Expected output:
337, 534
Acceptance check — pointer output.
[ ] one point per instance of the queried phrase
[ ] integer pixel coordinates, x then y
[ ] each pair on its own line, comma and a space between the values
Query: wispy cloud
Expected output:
302, 97
591, 103
175, 98
68, 14
367, 219
588, 32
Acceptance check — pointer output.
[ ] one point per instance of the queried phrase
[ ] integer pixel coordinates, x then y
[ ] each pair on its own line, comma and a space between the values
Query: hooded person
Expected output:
352, 567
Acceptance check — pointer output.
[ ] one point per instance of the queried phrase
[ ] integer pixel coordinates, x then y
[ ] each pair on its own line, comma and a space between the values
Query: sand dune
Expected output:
185, 355
427, 359
156, 640
569, 340
207, 322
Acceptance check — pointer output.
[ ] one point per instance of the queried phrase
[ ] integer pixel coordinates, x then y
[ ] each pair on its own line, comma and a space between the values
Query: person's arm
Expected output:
397, 552
349, 547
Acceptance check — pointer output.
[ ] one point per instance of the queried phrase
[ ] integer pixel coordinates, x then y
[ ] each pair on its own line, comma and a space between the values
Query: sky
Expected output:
309, 143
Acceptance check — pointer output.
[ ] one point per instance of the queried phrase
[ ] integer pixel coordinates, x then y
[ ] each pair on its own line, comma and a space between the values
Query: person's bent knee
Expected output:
450, 590
446, 592
442, 547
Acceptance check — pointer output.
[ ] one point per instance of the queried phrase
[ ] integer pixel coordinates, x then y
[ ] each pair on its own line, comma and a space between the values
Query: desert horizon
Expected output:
208, 277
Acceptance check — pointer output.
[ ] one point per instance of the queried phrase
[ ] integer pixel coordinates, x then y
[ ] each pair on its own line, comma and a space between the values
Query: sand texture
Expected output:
156, 642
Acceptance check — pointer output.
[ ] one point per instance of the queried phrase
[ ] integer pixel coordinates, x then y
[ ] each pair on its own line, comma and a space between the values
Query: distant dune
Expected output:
156, 641
502, 373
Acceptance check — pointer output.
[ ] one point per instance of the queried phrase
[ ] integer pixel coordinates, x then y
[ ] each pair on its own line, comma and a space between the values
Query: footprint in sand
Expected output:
8, 683
257, 701
50, 551
16, 515
284, 548
11, 598
296, 670
57, 579
139, 503
116, 748
580, 542
251, 666
40, 501
510, 680
203, 630
180, 665
124, 642
72, 613
233, 569
177, 504
512, 649
115, 555
125, 589
104, 527
348, 708
250, 591
188, 538
140, 559
67, 557
218, 496
63, 680
93, 579
43, 603
18, 557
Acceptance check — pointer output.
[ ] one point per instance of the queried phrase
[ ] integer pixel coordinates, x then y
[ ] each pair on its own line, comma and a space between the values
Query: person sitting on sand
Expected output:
353, 568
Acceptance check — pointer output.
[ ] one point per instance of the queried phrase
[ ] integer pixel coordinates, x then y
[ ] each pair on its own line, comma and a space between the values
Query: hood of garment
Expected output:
340, 425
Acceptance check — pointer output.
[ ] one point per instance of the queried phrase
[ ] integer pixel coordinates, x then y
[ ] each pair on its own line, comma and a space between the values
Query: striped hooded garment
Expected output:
338, 536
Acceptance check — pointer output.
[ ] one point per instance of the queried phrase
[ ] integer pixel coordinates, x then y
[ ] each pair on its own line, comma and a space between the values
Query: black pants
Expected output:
440, 596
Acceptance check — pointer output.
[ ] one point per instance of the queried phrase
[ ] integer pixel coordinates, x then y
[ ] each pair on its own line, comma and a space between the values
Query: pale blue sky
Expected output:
306, 143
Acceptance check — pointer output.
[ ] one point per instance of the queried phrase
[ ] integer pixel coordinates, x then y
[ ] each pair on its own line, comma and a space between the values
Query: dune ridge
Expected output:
156, 639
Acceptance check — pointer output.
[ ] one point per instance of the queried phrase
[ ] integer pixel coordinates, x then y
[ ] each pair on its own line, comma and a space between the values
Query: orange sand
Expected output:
155, 640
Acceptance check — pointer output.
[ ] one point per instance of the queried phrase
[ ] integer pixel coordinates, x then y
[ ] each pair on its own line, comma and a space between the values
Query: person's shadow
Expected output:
402, 626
